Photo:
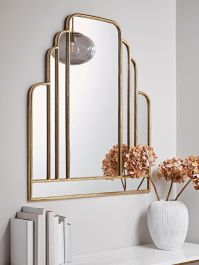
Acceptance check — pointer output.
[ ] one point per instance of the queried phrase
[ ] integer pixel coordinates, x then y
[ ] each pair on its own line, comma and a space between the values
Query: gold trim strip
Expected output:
148, 115
78, 179
58, 36
68, 18
129, 109
135, 102
120, 102
57, 113
30, 134
48, 68
148, 126
67, 104
91, 195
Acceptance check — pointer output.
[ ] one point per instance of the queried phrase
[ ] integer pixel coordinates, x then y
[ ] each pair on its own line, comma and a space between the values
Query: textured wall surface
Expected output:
26, 29
187, 97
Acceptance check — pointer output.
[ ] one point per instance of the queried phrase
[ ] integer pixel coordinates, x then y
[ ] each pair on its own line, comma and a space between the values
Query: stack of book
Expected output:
40, 237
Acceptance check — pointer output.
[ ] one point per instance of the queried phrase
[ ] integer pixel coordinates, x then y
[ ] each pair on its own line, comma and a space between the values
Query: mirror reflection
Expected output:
142, 120
94, 100
39, 141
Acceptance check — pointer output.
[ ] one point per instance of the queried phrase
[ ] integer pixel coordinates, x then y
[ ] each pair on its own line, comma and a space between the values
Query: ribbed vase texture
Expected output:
168, 224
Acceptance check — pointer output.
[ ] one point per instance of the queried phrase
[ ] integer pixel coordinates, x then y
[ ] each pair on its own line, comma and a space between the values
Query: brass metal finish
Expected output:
148, 127
136, 102
68, 19
47, 84
30, 156
148, 115
67, 103
48, 69
76, 179
80, 196
56, 47
56, 113
129, 130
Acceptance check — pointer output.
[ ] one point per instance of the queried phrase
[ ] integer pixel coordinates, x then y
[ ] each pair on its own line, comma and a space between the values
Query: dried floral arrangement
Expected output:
138, 161
180, 171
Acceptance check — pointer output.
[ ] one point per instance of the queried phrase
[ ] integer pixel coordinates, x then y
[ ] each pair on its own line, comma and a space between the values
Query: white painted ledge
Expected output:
140, 255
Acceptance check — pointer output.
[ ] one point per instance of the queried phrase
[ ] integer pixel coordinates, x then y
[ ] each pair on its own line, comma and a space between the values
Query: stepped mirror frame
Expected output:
131, 112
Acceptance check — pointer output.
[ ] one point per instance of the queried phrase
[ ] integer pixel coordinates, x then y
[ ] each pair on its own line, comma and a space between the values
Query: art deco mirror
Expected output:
88, 104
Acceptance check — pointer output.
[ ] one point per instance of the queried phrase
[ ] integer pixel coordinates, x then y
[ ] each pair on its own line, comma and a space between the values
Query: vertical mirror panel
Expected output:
126, 67
133, 111
80, 188
142, 120
143, 137
128, 108
39, 133
58, 112
93, 97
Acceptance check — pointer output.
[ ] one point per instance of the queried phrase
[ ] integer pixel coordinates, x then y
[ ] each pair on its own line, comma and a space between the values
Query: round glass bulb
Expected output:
82, 48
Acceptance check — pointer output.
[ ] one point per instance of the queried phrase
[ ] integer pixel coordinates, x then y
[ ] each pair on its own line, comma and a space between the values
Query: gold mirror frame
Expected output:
47, 83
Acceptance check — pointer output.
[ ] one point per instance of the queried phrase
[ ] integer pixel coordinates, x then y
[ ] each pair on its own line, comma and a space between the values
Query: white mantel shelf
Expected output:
140, 255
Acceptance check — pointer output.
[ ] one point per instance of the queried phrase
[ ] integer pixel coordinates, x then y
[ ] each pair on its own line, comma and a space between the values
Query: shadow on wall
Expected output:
5, 235
190, 198
142, 229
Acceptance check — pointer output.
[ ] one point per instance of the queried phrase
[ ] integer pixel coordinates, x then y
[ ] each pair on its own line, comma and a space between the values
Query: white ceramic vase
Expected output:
168, 224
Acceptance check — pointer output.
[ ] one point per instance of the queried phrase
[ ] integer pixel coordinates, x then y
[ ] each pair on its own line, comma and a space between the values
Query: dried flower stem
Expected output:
140, 183
169, 190
182, 190
123, 184
150, 177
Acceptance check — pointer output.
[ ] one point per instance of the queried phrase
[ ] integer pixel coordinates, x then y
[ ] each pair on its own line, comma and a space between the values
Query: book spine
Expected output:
69, 243
21, 242
50, 238
56, 235
30, 242
61, 242
40, 235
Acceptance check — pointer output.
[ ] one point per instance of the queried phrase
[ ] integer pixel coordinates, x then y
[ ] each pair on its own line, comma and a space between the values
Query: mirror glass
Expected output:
93, 99
39, 133
125, 84
142, 120
143, 128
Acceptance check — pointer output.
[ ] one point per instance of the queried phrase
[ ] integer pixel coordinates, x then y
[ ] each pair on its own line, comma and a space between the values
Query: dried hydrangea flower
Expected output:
173, 170
140, 159
195, 180
110, 162
191, 167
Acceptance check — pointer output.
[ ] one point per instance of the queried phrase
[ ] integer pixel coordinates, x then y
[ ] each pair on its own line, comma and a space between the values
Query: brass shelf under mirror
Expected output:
51, 111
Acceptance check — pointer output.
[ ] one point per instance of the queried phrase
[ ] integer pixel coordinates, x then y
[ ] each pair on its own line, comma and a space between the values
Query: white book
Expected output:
50, 238
69, 243
67, 239
53, 238
21, 242
61, 241
42, 235
39, 233
56, 235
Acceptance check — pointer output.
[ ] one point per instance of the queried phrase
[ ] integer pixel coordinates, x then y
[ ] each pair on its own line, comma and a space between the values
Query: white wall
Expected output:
187, 97
26, 30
